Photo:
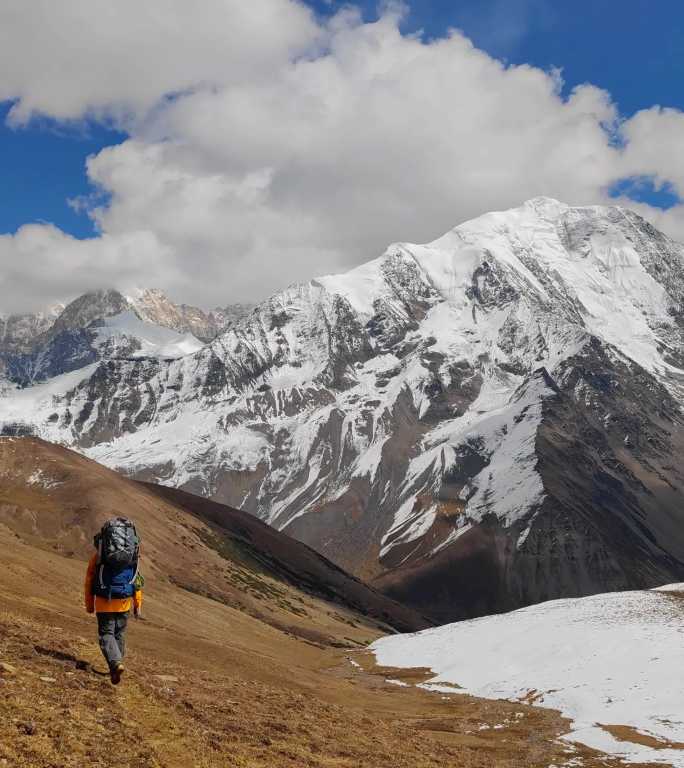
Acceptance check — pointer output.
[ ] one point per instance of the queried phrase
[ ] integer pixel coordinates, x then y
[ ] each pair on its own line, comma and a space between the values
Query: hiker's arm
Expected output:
88, 587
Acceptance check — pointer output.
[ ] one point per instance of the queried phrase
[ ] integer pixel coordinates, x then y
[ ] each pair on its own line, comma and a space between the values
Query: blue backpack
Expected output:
118, 548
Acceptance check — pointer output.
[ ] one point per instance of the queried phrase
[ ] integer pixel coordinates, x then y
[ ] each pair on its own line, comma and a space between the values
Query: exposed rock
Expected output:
155, 307
27, 727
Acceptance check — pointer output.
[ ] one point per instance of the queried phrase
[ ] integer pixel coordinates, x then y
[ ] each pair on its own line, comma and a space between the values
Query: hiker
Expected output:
113, 586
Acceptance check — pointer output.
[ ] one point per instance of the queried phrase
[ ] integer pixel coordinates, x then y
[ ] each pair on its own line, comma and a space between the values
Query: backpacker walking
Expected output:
112, 587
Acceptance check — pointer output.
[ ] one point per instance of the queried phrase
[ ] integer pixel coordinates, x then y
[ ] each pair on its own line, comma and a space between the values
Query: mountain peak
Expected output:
548, 207
153, 305
90, 306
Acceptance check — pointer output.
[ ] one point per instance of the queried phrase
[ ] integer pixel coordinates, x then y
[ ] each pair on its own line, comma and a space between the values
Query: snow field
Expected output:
607, 660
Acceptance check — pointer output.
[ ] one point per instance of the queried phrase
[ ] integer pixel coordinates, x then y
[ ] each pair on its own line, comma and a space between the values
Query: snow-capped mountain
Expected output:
486, 421
95, 327
103, 324
608, 662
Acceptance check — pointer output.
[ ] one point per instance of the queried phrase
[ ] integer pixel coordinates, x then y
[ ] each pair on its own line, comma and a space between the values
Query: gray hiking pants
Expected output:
111, 628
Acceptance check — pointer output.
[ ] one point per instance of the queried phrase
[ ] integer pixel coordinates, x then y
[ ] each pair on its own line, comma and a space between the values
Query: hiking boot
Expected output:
116, 672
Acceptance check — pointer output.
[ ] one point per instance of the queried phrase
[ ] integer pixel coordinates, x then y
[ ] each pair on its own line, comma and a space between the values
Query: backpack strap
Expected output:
135, 573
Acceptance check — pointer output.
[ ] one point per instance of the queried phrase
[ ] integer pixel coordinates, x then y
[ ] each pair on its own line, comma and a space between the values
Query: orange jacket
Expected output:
97, 604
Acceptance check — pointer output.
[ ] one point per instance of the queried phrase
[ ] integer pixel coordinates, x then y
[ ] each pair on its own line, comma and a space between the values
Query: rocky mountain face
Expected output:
17, 332
475, 424
155, 307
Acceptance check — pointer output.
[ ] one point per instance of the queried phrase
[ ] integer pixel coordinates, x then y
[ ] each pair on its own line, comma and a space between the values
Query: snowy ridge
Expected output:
607, 660
29, 336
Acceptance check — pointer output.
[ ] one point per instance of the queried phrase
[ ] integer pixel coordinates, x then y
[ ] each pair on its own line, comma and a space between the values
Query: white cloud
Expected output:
296, 149
118, 58
655, 144
42, 265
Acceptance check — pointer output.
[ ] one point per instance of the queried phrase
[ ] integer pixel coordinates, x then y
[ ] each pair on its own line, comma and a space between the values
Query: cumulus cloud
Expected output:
292, 148
654, 142
41, 265
117, 59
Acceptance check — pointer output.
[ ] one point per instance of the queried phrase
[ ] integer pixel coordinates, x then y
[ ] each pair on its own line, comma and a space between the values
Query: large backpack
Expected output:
118, 547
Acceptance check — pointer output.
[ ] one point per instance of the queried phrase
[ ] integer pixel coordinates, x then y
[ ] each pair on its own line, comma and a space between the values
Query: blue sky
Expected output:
635, 54
43, 166
632, 48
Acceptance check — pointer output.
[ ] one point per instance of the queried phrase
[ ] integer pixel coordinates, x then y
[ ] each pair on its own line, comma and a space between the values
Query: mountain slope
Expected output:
237, 660
503, 401
290, 561
55, 499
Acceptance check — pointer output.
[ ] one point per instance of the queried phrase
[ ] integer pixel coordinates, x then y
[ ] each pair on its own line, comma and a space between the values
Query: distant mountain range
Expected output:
104, 324
476, 424
24, 332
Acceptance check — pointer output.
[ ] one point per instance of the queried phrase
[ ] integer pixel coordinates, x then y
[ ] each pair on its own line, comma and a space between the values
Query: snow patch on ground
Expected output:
612, 659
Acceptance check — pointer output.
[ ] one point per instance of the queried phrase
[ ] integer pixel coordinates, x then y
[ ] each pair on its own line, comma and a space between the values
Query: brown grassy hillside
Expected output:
233, 664
55, 499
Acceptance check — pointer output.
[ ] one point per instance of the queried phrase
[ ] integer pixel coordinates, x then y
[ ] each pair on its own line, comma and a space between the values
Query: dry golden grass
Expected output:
246, 693
238, 670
